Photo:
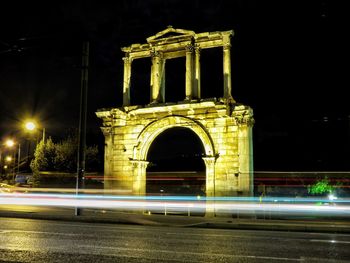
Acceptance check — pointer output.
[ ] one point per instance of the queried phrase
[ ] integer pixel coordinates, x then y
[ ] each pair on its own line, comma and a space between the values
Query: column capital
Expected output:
107, 131
249, 121
227, 46
189, 48
156, 54
226, 42
139, 164
243, 117
209, 160
126, 60
197, 48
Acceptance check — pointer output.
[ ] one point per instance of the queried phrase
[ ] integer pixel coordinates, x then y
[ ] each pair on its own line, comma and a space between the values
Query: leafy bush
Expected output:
322, 186
62, 156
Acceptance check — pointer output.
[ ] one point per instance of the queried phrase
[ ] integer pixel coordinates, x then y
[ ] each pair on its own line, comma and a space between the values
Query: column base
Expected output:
210, 209
154, 102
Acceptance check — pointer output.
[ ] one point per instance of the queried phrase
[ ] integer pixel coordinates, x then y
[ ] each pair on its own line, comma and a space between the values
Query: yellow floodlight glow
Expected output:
8, 158
30, 125
9, 143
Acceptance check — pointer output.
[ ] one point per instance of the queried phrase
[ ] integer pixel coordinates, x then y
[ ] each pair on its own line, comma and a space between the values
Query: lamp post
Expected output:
31, 126
8, 159
18, 157
82, 123
9, 143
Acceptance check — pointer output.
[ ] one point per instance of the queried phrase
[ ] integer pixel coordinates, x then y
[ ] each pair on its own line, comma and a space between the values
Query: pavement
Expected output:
138, 218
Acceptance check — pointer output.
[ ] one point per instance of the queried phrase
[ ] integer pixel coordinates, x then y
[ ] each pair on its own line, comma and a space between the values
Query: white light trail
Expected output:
179, 204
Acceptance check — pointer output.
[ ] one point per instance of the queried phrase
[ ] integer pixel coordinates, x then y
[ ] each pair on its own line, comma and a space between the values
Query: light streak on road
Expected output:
223, 205
126, 194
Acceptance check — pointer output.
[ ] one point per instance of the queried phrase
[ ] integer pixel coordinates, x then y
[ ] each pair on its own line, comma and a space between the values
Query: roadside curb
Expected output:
86, 219
277, 227
232, 224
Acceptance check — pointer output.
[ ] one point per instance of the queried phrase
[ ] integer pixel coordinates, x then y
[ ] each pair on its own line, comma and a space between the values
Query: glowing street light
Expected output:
30, 126
9, 143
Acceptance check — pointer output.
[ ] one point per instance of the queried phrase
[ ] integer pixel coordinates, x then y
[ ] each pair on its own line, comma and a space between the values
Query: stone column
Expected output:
189, 71
156, 76
197, 74
126, 84
227, 68
162, 81
139, 177
210, 184
108, 157
245, 153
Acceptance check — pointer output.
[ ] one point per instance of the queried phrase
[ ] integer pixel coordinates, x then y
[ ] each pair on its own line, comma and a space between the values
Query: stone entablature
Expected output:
130, 131
181, 43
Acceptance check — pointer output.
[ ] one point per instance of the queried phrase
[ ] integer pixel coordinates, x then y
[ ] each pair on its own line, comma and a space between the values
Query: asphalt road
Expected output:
28, 240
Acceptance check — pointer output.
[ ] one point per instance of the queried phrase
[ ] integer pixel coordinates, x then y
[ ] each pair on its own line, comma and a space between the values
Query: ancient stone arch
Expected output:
223, 126
151, 131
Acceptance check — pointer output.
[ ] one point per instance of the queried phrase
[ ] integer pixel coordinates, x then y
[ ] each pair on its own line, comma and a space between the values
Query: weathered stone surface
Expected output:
230, 152
223, 126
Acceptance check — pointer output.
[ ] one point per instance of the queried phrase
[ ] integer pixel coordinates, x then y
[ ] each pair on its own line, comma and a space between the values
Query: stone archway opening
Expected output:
176, 165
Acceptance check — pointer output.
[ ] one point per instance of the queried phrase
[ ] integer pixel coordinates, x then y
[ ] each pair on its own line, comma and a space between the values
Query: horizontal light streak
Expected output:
65, 190
228, 205
126, 194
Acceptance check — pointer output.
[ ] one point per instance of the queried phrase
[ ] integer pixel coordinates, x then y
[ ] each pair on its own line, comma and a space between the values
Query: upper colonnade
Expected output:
174, 43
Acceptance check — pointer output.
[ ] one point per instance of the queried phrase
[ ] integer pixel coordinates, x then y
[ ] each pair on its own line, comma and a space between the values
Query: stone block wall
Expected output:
225, 131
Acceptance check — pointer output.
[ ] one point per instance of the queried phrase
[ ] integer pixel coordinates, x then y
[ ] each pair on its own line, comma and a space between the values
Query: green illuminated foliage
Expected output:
321, 187
62, 156
44, 156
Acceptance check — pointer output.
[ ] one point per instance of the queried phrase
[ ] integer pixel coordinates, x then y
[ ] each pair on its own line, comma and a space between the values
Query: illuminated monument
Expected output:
223, 126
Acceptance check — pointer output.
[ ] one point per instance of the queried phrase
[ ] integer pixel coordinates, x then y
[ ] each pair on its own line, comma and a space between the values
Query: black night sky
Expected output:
289, 63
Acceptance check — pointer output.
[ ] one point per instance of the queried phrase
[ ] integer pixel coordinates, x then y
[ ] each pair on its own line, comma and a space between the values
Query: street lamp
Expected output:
9, 161
9, 143
31, 126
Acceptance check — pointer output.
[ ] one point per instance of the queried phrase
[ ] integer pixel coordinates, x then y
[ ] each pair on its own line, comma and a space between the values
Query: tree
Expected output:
44, 159
67, 152
62, 156
44, 156
66, 155
321, 187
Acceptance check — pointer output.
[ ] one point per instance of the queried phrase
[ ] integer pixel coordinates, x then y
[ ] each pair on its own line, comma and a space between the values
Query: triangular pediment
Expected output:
170, 32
